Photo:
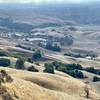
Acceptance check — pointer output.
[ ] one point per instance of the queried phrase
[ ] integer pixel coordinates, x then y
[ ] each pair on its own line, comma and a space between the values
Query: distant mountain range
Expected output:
81, 14
26, 17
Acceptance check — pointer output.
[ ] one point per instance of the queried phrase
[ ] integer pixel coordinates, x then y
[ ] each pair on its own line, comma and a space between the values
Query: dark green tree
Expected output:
37, 55
4, 62
32, 69
96, 79
3, 53
56, 47
52, 47
30, 60
93, 70
49, 68
20, 64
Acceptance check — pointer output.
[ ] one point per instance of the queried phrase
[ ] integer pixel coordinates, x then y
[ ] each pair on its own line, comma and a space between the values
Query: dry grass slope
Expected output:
42, 86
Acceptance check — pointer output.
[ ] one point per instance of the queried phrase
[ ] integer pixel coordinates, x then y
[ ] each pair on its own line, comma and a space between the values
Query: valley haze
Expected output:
49, 50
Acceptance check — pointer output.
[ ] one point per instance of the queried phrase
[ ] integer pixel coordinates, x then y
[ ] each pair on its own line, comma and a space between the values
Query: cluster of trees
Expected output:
68, 66
93, 70
67, 40
74, 55
54, 47
4, 77
96, 79
71, 69
21, 59
74, 66
37, 55
75, 73
78, 55
20, 64
4, 62
2, 53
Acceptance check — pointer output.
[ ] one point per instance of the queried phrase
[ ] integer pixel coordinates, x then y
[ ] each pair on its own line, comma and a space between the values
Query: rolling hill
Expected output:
41, 86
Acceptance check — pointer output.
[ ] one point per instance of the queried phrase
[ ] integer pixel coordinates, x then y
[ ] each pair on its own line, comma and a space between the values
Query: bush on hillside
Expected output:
71, 69
93, 70
49, 68
54, 47
75, 73
32, 69
30, 60
68, 66
9, 78
20, 64
3, 72
96, 79
37, 55
4, 62
19, 55
74, 66
3, 53
4, 77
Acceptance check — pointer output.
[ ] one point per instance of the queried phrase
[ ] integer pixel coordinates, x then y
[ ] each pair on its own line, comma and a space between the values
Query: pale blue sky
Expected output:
46, 1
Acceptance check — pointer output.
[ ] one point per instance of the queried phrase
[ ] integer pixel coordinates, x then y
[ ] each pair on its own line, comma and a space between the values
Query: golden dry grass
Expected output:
43, 86
23, 90
82, 61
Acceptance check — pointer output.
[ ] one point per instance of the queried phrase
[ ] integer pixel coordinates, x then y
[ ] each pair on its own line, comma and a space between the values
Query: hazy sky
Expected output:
46, 1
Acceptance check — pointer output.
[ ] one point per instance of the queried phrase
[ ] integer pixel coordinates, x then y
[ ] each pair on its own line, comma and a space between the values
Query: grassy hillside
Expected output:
41, 86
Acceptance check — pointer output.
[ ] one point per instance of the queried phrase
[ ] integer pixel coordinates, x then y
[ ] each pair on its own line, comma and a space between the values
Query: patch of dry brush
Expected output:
4, 77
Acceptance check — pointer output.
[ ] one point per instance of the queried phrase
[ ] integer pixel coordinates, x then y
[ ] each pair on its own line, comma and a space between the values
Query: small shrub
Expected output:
98, 72
9, 78
4, 77
96, 79
3, 72
37, 63
32, 69
2, 80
